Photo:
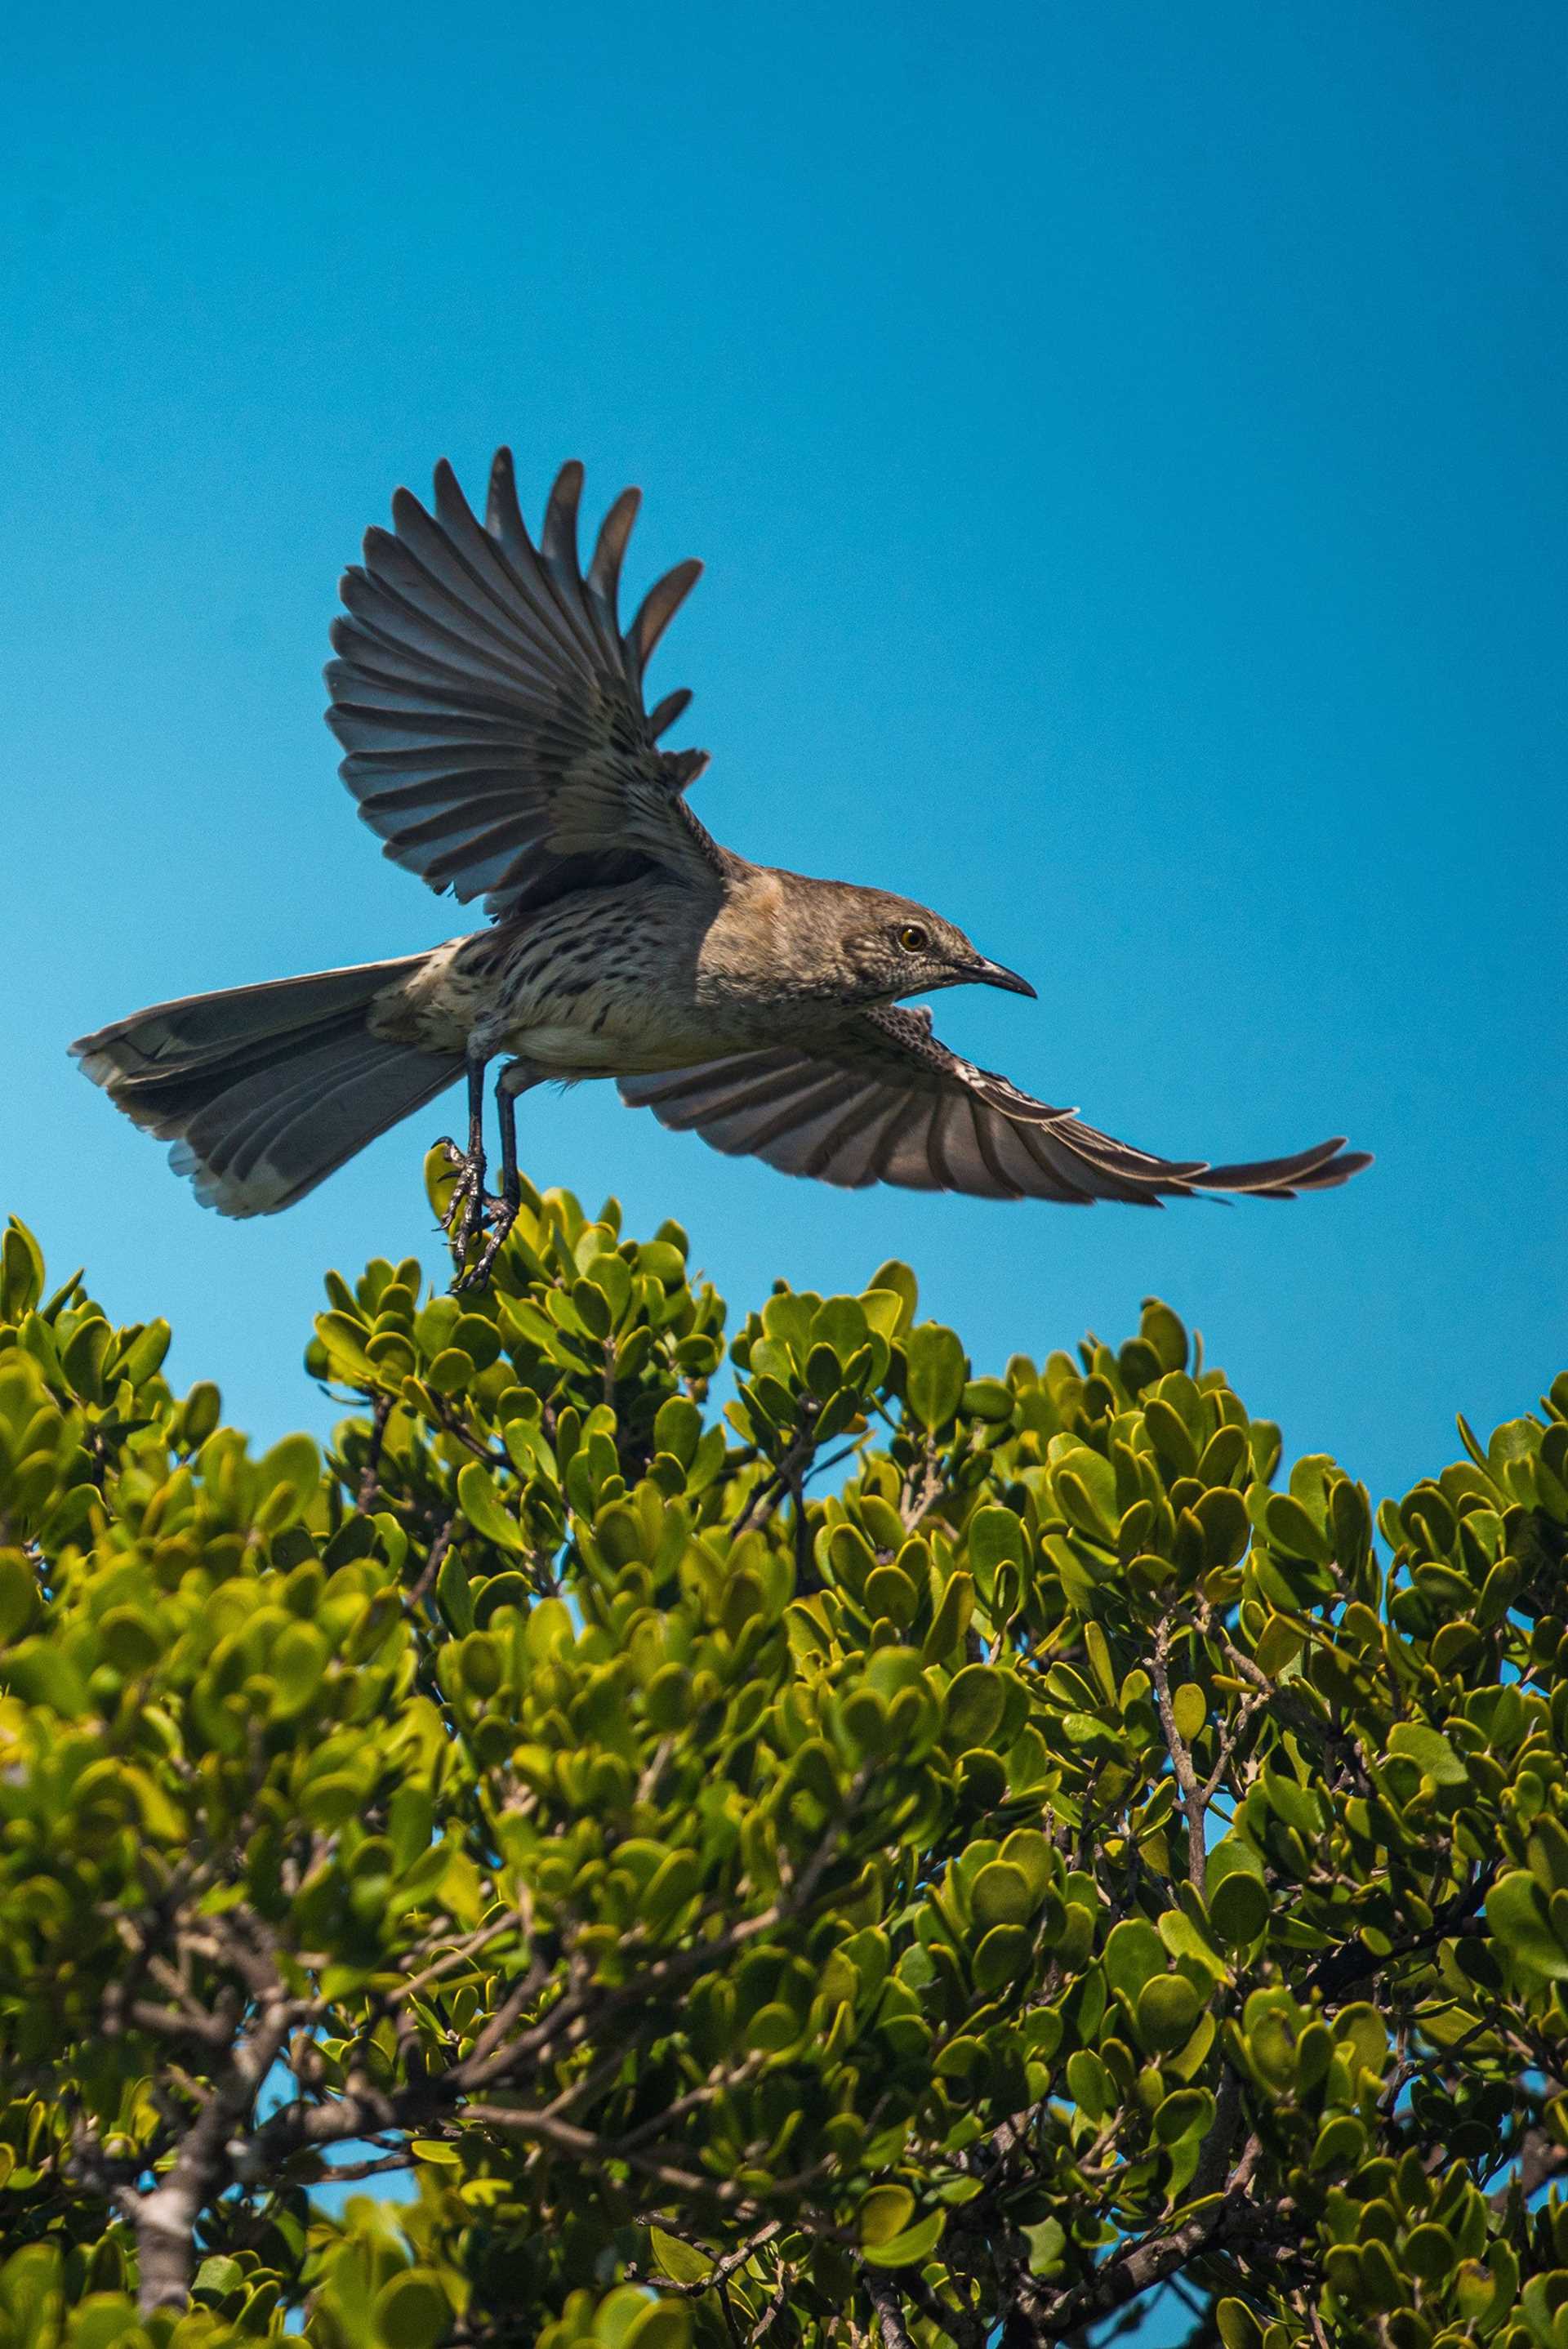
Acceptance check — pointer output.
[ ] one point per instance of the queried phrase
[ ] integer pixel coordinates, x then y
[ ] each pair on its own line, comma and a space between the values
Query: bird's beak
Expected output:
995, 974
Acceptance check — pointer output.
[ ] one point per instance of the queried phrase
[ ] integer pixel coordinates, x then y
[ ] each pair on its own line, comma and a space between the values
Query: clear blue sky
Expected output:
1127, 446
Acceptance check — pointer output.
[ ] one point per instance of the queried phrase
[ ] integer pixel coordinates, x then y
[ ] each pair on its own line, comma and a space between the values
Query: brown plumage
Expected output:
492, 713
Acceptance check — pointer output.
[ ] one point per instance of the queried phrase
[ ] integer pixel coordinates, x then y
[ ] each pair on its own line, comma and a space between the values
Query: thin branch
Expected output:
765, 1497
350, 2172
565, 2137
369, 1491
880, 2291
432, 1566
921, 1493
1150, 2261
1341, 1969
722, 2269
457, 1954
1195, 1806
765, 2322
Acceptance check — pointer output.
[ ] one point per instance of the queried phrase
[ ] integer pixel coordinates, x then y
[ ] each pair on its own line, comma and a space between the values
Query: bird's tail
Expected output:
265, 1091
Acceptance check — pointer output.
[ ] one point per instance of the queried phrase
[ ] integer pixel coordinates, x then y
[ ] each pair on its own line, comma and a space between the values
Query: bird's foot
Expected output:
500, 1215
473, 1215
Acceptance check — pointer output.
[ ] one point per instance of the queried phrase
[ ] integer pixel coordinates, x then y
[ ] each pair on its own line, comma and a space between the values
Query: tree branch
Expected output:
1139, 2265
1194, 1805
1340, 1969
165, 2216
880, 2291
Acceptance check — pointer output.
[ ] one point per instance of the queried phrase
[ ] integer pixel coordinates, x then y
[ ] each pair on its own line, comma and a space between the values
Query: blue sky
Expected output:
1126, 443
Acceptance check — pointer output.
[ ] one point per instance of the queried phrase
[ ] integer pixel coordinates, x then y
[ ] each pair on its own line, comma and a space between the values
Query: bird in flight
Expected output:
491, 707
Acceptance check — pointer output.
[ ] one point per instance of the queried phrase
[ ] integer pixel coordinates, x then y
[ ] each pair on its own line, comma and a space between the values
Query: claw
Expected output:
469, 1212
474, 1215
501, 1215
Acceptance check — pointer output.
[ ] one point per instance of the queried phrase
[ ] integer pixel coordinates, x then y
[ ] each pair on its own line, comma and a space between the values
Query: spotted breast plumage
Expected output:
497, 737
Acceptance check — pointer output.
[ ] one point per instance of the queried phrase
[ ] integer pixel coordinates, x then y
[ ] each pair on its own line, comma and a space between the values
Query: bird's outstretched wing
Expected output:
491, 706
883, 1101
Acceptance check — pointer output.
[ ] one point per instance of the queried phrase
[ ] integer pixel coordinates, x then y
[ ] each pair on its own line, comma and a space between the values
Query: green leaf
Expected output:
1168, 2008
658, 2325
1238, 2327
1291, 1529
298, 1661
1164, 1332
454, 1594
1190, 1709
1516, 1913
677, 1428
996, 1538
217, 2276
83, 1355
671, 1888
19, 1594
143, 1358
912, 2248
974, 1705
1134, 1953
345, 1342
773, 2028
1000, 1895
1098, 1649
682, 2262
1183, 2113
21, 1271
1091, 2085
1047, 2243
1169, 1434
987, 1399
1002, 1957
411, 2310
1031, 1853
482, 1507
290, 1476
893, 1280
935, 1374
1430, 1750
885, 2213
1237, 1908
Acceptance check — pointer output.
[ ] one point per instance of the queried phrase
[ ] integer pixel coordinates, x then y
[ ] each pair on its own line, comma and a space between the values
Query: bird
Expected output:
497, 738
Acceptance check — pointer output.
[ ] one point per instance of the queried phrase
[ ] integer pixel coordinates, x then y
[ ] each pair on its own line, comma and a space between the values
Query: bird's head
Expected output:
886, 947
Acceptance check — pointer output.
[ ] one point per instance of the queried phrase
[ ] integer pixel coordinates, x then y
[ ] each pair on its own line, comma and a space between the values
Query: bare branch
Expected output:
1232, 2217
722, 2269
1195, 1806
880, 2291
165, 2217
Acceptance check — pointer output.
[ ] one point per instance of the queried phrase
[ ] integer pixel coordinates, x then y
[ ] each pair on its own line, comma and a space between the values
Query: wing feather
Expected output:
491, 708
880, 1099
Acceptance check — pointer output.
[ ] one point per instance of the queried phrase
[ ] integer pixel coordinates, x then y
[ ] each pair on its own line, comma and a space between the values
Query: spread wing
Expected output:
885, 1102
491, 707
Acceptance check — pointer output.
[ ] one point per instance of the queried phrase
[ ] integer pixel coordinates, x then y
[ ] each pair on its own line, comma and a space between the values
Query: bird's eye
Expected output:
913, 938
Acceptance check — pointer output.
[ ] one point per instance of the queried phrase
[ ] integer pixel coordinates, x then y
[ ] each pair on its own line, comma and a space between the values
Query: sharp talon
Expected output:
466, 1209
503, 1217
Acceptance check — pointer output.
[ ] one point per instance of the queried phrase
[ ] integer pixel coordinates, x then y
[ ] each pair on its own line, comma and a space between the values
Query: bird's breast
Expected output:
608, 983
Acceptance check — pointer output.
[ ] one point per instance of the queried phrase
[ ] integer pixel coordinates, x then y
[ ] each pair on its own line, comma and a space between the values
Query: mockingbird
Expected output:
492, 712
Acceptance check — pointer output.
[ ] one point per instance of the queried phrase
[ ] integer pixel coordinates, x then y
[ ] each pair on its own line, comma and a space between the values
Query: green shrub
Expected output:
909, 1852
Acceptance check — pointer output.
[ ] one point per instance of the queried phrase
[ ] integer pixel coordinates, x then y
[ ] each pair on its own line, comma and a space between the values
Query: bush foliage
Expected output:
909, 1854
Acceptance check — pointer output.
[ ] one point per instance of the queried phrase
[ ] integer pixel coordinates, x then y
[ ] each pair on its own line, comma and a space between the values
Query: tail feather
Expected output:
265, 1091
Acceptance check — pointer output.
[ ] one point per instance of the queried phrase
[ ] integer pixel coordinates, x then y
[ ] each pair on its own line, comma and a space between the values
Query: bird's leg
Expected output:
502, 1213
465, 1214
515, 1079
